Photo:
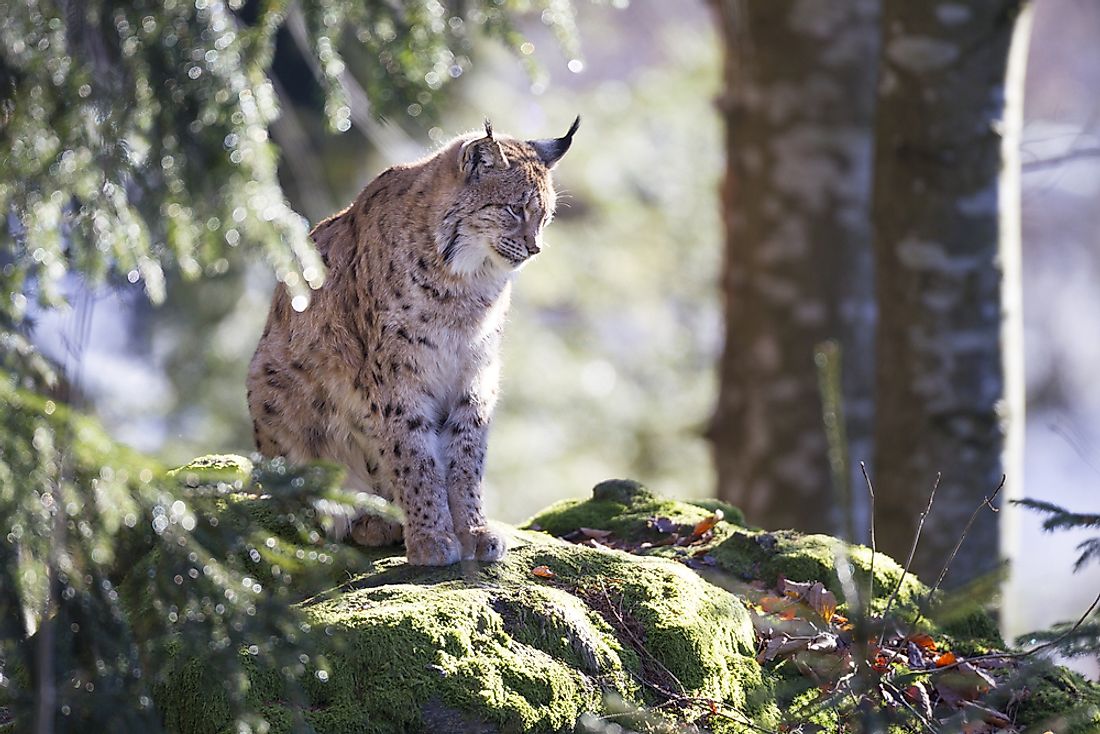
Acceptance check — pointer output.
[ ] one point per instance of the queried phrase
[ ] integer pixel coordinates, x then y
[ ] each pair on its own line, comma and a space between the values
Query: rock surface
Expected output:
645, 613
657, 639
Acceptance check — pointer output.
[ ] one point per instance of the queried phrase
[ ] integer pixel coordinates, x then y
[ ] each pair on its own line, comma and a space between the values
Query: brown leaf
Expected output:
963, 683
773, 604
822, 601
948, 658
989, 716
918, 695
543, 572
594, 533
814, 593
923, 641
824, 642
782, 645
707, 523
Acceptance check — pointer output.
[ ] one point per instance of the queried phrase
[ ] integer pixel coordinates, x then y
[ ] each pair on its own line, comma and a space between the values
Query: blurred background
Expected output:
616, 329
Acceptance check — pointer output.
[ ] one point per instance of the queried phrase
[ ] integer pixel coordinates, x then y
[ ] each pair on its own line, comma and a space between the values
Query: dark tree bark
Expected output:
797, 102
945, 215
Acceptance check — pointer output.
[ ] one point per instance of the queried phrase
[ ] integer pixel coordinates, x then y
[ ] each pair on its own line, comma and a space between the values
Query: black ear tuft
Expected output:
550, 151
488, 128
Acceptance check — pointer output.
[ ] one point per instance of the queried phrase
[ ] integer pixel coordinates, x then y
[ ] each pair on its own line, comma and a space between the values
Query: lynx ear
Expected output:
550, 151
481, 156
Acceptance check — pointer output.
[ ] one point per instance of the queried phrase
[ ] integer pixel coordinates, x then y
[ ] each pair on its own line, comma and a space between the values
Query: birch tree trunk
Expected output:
946, 226
797, 102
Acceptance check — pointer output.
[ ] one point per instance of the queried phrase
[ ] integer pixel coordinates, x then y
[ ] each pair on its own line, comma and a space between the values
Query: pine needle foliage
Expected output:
134, 145
1069, 638
115, 574
135, 133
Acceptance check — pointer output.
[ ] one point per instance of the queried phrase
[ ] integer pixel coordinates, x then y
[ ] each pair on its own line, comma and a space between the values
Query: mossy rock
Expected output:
627, 509
497, 648
1050, 698
738, 553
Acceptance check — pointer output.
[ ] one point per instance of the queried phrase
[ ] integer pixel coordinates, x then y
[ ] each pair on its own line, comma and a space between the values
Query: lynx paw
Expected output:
433, 549
484, 544
376, 531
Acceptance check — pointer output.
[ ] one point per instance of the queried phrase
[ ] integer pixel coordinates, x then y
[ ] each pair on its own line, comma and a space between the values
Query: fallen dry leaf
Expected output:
543, 572
814, 593
988, 715
594, 533
948, 658
918, 695
773, 604
707, 523
963, 683
923, 641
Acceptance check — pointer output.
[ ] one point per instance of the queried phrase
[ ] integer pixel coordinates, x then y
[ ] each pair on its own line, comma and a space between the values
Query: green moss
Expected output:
730, 513
411, 649
1052, 699
767, 556
809, 707
213, 468
625, 508
742, 554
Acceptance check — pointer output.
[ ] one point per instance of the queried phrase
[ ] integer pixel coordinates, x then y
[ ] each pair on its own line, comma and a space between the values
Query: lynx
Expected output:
392, 370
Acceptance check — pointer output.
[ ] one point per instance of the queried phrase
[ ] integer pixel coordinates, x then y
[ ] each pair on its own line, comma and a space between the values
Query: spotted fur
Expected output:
393, 368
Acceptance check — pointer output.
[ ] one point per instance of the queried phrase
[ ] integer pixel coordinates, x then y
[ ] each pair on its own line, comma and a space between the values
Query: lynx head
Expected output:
504, 199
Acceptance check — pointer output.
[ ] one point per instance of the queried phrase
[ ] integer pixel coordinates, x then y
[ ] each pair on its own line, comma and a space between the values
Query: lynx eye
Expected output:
515, 215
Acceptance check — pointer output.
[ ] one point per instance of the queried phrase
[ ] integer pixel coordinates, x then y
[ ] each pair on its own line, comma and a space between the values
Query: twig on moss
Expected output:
871, 523
1027, 653
986, 502
909, 560
900, 697
1080, 621
671, 697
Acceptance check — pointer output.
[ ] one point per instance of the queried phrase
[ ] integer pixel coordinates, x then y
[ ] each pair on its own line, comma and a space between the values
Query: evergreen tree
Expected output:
135, 139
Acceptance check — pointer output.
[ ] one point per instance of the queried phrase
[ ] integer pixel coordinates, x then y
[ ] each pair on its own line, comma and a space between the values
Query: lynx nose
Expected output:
532, 246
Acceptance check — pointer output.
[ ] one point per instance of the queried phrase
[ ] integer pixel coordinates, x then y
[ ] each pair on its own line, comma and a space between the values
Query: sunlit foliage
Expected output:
135, 134
135, 146
115, 575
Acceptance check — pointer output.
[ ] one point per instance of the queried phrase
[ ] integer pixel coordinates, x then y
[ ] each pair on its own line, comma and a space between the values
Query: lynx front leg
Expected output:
418, 480
464, 438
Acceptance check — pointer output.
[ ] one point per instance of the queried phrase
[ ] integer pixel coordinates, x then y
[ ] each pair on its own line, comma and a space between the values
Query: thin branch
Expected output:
683, 697
1026, 653
301, 157
909, 560
389, 140
1041, 164
1050, 643
900, 697
986, 502
874, 550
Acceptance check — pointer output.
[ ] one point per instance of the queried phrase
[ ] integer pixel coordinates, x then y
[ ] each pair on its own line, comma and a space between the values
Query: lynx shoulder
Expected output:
392, 369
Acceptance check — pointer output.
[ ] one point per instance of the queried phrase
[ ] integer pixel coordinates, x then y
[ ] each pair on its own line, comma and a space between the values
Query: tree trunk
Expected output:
798, 99
947, 250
